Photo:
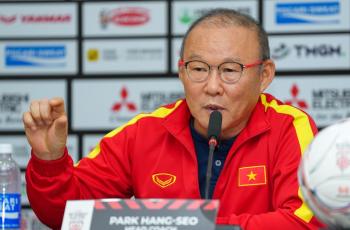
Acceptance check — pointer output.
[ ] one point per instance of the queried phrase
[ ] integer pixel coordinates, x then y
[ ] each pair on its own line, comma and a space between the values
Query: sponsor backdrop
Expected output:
111, 60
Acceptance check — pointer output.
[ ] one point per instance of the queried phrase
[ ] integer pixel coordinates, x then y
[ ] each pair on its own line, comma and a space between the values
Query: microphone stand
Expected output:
212, 144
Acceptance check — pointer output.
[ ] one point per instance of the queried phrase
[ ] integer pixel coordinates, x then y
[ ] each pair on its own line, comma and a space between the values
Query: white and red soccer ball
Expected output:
324, 175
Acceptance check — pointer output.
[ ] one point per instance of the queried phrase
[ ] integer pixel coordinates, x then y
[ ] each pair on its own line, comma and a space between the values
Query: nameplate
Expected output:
140, 214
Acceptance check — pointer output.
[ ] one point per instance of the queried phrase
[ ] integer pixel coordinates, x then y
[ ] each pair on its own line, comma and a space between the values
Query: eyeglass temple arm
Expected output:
180, 63
253, 64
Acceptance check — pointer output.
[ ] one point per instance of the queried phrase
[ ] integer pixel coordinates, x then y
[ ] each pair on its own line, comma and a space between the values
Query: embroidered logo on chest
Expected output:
252, 175
163, 180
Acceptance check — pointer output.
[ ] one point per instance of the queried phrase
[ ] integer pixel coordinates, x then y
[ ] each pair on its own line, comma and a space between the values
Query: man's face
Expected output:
236, 101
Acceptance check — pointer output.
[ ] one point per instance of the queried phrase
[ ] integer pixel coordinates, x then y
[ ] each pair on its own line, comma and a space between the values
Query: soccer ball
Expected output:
324, 175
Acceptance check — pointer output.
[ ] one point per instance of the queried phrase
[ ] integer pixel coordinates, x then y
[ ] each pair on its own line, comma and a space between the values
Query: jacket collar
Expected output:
257, 124
178, 122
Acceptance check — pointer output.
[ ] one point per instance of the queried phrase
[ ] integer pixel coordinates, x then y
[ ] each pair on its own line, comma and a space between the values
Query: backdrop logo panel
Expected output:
15, 97
308, 13
285, 16
38, 20
38, 57
124, 18
186, 12
326, 101
311, 52
114, 102
125, 56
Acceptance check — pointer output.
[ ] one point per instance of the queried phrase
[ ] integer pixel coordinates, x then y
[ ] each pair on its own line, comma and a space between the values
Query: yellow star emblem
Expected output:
251, 175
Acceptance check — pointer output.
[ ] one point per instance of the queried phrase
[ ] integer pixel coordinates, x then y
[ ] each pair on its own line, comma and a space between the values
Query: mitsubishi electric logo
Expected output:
130, 106
295, 100
308, 12
124, 109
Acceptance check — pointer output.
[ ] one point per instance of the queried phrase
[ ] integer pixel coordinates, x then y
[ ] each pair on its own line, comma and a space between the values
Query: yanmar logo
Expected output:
127, 16
163, 180
36, 19
63, 18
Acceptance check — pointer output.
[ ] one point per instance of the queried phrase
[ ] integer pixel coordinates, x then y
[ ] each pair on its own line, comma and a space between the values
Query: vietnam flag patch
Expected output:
252, 175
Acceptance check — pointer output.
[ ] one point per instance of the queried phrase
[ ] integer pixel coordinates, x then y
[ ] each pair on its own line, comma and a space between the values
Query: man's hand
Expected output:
46, 128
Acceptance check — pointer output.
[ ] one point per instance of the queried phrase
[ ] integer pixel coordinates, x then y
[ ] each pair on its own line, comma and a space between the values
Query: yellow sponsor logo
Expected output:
163, 179
93, 55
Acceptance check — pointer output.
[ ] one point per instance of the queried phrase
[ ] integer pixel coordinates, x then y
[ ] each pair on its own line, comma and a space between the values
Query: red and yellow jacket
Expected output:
153, 156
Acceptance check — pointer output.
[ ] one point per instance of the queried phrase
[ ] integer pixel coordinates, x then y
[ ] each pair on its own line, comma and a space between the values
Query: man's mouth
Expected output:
213, 107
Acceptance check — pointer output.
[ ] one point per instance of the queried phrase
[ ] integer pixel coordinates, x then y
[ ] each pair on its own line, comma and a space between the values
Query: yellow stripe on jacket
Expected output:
305, 135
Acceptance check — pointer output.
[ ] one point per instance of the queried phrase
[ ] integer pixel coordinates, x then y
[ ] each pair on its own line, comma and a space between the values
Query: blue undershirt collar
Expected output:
202, 152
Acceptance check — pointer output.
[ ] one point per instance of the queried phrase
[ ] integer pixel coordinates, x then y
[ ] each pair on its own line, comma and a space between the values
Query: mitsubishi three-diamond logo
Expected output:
130, 106
295, 101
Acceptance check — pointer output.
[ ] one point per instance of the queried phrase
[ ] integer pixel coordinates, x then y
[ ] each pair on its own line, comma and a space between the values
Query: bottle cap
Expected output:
5, 148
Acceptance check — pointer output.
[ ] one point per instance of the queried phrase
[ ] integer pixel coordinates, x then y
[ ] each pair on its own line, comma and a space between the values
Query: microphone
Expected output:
214, 129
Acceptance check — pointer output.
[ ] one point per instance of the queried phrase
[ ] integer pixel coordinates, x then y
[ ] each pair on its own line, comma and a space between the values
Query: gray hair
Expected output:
229, 17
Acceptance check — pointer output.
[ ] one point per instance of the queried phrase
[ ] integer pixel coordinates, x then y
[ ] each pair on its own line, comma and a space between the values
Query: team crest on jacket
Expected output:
163, 180
252, 175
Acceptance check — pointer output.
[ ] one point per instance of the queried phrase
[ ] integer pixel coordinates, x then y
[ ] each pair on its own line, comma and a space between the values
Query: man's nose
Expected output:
214, 84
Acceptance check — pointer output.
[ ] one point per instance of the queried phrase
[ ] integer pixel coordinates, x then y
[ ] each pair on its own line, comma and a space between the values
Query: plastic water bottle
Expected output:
10, 190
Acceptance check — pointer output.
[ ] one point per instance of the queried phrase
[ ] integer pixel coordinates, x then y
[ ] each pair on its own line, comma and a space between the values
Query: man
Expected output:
224, 66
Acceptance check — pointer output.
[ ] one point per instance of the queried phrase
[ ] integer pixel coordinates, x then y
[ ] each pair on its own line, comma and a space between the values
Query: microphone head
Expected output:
214, 126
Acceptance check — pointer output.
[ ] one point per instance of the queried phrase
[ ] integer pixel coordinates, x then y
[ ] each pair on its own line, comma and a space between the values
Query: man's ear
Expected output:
267, 74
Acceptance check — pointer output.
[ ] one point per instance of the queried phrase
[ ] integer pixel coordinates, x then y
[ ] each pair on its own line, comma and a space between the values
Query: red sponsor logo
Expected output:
8, 19
295, 101
127, 16
124, 103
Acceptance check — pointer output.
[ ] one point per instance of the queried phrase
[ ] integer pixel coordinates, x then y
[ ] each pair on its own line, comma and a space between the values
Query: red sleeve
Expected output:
291, 212
51, 183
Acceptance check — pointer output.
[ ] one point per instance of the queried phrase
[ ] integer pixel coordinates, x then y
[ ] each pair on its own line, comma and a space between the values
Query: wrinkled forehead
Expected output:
213, 26
224, 40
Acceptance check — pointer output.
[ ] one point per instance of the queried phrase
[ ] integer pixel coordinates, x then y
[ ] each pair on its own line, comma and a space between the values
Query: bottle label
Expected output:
10, 210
